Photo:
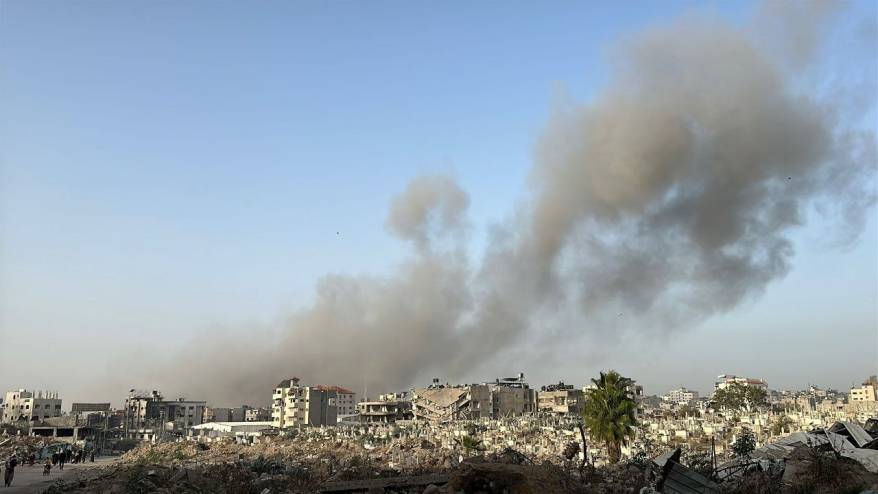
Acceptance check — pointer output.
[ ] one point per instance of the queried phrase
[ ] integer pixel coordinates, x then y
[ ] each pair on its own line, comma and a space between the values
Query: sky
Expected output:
169, 170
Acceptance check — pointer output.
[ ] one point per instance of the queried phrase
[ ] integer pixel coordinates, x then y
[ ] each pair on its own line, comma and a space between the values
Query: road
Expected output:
30, 480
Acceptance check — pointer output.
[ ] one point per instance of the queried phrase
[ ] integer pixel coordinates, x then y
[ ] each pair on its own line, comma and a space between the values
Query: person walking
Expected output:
11, 463
55, 458
47, 468
62, 458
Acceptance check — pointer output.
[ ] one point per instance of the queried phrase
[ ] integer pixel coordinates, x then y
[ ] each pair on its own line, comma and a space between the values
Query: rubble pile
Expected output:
129, 478
22, 445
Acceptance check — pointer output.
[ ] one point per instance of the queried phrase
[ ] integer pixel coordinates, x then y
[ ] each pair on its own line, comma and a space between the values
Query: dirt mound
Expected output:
490, 478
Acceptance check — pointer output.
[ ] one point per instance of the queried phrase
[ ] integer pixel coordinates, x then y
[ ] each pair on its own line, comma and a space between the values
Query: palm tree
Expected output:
609, 412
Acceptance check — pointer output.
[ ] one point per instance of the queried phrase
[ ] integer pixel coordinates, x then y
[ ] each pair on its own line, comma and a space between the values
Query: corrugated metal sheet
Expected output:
682, 480
855, 432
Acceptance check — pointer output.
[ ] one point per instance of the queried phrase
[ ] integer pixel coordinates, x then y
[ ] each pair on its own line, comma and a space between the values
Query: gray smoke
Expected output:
669, 197
430, 208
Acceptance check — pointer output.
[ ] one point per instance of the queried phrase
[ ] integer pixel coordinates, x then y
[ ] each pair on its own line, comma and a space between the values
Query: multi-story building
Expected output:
346, 400
388, 408
223, 414
295, 405
150, 411
141, 410
22, 404
182, 413
260, 414
560, 399
506, 397
868, 392
681, 396
725, 380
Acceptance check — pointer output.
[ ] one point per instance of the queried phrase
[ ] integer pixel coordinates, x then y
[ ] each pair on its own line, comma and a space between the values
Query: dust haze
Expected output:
667, 198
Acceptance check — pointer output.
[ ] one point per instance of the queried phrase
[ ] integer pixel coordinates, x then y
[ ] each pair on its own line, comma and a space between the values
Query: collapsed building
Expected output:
507, 397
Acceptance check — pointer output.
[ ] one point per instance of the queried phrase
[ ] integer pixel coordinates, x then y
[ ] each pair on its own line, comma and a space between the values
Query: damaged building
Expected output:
21, 404
507, 397
560, 399
388, 408
148, 413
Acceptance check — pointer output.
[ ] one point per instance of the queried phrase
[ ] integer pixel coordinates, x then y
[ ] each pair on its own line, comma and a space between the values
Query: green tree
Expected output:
609, 412
738, 397
783, 424
470, 444
744, 444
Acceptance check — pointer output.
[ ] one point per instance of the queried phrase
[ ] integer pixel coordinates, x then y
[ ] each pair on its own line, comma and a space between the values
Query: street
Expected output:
30, 479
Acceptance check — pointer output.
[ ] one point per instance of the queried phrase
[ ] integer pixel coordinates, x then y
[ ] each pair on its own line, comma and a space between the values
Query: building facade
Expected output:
387, 409
345, 399
294, 405
725, 380
868, 392
681, 396
22, 404
561, 399
150, 411
507, 397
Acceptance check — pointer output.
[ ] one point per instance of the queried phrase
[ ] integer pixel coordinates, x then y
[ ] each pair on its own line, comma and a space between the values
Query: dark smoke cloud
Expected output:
669, 197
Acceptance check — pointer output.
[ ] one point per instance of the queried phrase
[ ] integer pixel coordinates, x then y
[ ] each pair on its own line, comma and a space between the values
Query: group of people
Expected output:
59, 458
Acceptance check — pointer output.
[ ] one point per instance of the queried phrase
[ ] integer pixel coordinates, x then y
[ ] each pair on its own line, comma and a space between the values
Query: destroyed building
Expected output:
560, 399
388, 408
21, 404
507, 397
294, 405
148, 412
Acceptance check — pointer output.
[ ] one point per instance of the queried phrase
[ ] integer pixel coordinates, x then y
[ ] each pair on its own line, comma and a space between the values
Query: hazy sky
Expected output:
173, 169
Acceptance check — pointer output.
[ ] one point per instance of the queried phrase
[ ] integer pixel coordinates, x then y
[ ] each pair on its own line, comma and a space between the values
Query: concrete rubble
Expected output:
516, 455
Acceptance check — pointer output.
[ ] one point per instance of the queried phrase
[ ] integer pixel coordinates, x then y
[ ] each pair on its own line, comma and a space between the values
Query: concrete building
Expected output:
681, 396
560, 399
507, 397
223, 414
295, 405
22, 404
387, 409
726, 379
868, 392
260, 414
346, 400
181, 414
149, 410
243, 431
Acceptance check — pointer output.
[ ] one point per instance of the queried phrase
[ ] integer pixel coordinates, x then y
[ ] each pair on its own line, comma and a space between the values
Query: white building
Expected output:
22, 404
866, 393
294, 405
681, 396
725, 380
243, 430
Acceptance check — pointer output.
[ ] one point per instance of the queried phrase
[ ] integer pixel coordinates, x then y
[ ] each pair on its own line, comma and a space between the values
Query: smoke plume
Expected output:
669, 197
